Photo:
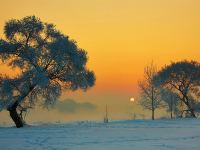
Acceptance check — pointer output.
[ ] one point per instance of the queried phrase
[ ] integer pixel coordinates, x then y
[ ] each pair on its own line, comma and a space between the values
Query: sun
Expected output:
132, 99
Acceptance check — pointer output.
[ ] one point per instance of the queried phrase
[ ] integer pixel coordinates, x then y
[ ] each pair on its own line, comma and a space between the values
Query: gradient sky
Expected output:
121, 38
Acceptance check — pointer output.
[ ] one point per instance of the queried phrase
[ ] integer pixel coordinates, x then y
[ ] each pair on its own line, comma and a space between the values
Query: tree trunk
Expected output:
153, 114
152, 102
171, 109
187, 102
192, 113
14, 115
171, 115
190, 108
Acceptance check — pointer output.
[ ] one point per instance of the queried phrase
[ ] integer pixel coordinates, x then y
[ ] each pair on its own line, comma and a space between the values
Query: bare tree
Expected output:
149, 92
49, 63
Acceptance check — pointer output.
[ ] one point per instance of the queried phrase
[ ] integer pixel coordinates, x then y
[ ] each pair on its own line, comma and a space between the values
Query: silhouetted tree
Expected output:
182, 78
149, 92
48, 61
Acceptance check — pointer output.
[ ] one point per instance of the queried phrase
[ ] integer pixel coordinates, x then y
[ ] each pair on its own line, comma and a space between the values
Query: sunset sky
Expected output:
121, 38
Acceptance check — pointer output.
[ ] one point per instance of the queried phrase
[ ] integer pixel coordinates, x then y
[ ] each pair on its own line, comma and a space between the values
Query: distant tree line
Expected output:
175, 87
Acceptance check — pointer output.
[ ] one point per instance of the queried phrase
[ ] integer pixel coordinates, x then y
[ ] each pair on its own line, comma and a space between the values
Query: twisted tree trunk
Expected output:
187, 102
192, 112
15, 116
13, 109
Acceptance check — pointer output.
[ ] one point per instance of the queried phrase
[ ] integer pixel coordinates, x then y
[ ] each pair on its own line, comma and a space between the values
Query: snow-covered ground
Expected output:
118, 135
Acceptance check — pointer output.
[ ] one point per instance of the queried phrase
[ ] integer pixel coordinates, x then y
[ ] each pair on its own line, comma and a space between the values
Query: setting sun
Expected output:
132, 99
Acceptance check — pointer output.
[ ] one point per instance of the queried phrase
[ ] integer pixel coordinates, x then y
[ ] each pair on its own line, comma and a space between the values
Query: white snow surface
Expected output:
118, 135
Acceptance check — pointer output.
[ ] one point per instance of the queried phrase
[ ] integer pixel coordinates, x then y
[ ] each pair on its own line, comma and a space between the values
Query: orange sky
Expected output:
121, 37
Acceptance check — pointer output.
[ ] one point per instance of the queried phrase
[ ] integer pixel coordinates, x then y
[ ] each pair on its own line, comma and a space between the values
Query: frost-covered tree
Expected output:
182, 78
150, 94
48, 60
171, 99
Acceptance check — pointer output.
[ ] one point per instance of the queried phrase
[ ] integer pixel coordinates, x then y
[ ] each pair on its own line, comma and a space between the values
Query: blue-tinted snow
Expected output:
117, 135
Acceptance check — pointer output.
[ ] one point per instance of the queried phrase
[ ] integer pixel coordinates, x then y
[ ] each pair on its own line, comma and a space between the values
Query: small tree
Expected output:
171, 99
149, 92
182, 78
48, 61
